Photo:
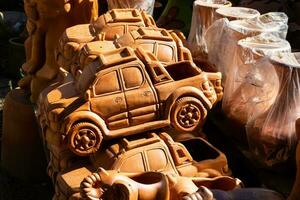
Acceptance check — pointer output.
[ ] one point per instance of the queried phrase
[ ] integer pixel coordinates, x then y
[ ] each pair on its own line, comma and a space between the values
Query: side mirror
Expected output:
87, 95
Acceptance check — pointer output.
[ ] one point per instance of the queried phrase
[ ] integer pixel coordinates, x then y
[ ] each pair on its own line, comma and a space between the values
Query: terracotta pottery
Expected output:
100, 104
271, 135
42, 16
22, 153
253, 78
167, 46
236, 13
150, 185
163, 155
149, 152
204, 14
109, 26
222, 37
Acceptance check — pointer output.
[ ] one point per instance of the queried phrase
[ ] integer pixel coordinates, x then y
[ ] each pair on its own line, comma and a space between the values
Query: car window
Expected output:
157, 159
107, 83
165, 53
133, 163
111, 31
133, 77
147, 47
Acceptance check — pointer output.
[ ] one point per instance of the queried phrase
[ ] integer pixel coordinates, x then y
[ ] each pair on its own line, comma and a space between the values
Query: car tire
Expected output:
84, 138
188, 114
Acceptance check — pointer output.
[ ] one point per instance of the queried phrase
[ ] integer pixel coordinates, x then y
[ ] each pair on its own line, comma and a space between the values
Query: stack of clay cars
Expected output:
122, 80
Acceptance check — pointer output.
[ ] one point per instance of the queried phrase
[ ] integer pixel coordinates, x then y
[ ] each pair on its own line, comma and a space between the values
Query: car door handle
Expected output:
147, 93
118, 99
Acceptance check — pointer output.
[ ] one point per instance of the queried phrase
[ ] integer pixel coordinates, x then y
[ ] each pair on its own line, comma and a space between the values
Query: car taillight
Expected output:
218, 83
205, 86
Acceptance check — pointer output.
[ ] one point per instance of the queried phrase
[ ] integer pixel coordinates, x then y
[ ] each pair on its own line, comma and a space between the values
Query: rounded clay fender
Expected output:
186, 91
84, 116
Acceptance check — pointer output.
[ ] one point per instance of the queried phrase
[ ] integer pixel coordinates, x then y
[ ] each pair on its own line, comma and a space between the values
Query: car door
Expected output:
158, 160
108, 100
140, 96
132, 163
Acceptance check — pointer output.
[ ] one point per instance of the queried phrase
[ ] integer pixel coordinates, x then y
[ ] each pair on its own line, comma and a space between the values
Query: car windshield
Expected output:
105, 159
125, 40
87, 77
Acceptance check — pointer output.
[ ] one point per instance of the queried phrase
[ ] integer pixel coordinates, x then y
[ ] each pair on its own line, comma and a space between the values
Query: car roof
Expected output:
128, 144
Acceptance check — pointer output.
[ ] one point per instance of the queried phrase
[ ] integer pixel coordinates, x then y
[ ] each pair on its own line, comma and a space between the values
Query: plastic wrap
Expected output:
271, 134
236, 13
223, 35
204, 12
253, 80
147, 5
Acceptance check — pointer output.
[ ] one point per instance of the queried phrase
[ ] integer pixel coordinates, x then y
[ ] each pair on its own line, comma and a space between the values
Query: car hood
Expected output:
62, 96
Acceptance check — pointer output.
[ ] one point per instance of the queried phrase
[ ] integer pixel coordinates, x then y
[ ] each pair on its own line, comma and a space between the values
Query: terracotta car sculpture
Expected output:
193, 158
114, 23
190, 157
166, 45
125, 92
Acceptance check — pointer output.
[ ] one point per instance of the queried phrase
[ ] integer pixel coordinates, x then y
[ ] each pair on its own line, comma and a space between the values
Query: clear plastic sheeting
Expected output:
271, 134
236, 13
204, 12
271, 22
223, 35
147, 5
252, 81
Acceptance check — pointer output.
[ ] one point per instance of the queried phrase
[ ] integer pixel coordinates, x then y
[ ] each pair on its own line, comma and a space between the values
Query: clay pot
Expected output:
253, 83
22, 153
204, 14
222, 38
271, 134
236, 13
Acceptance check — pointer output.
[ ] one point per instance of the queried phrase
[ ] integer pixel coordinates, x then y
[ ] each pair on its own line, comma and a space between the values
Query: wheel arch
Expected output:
186, 91
84, 116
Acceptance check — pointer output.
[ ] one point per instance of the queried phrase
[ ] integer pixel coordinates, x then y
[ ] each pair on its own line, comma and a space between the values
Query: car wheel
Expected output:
188, 114
84, 138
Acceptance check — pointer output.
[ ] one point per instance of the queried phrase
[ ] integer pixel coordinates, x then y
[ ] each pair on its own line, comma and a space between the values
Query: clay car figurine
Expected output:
126, 92
193, 158
114, 23
190, 157
166, 45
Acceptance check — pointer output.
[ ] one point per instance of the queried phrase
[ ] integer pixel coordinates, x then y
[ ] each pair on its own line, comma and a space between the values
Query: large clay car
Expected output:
193, 157
126, 92
114, 23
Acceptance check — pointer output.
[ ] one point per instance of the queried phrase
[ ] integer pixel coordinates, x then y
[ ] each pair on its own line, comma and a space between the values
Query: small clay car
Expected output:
114, 23
126, 92
166, 45
190, 157
194, 158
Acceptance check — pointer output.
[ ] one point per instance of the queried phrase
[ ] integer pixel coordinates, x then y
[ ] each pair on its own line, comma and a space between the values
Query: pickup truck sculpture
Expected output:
126, 92
192, 158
